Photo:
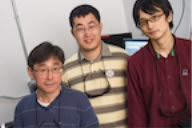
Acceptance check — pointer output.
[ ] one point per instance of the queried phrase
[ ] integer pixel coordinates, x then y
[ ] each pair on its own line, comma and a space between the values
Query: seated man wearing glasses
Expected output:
52, 105
159, 74
97, 69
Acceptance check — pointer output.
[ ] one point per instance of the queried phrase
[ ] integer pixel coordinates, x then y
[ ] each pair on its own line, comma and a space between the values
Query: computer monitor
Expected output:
133, 45
116, 39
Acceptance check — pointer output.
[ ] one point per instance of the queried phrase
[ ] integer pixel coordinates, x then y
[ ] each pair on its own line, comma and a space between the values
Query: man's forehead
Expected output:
152, 11
52, 61
87, 19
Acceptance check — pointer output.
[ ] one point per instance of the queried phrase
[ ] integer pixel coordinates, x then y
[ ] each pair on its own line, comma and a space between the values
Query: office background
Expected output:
24, 24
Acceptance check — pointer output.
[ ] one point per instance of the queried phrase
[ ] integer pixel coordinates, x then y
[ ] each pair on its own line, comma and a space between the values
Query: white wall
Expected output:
48, 20
13, 75
41, 20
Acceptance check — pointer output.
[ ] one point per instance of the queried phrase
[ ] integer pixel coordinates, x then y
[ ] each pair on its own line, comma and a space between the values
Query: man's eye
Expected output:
92, 26
80, 29
142, 22
43, 70
154, 17
55, 69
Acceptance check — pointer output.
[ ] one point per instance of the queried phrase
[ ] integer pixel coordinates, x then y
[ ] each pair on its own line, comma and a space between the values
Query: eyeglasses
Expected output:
45, 72
142, 23
81, 29
100, 92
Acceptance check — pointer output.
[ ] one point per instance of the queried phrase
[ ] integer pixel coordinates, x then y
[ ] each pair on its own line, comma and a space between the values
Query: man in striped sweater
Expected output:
97, 69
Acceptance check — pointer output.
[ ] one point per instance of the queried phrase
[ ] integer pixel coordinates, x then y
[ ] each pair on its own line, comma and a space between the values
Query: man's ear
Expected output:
72, 32
170, 17
30, 73
100, 26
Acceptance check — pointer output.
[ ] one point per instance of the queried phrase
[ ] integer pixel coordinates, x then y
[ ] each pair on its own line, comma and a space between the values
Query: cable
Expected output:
32, 87
182, 14
11, 98
19, 28
22, 43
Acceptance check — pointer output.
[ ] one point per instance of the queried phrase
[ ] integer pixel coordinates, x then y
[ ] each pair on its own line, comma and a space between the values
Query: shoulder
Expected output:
117, 53
139, 56
71, 62
183, 42
182, 39
183, 45
73, 94
74, 98
27, 101
73, 58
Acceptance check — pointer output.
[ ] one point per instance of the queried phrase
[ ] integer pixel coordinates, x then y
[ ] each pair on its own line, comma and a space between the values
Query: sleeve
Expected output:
137, 116
65, 79
17, 123
87, 114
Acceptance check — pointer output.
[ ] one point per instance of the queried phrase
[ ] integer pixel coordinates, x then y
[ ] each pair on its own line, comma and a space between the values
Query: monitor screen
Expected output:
133, 45
116, 39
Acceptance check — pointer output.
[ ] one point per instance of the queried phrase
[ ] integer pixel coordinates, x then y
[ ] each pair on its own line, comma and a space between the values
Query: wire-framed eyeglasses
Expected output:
45, 71
82, 29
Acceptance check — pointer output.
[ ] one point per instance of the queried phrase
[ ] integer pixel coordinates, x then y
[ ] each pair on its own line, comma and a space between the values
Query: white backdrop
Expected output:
48, 20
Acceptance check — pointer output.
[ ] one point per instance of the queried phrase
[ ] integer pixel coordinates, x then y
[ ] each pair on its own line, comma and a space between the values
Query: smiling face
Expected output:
157, 24
87, 32
47, 75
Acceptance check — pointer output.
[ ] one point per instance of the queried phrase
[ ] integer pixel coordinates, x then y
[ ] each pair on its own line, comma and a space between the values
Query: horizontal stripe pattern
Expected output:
117, 124
96, 75
109, 118
111, 108
116, 56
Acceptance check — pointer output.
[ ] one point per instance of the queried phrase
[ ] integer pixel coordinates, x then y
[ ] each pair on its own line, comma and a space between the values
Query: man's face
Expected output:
47, 75
154, 25
87, 32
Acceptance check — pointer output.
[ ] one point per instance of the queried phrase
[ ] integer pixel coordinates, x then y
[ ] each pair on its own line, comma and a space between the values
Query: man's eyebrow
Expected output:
79, 24
91, 22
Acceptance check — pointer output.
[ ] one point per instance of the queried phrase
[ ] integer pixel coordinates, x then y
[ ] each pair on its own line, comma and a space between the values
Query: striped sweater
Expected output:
105, 76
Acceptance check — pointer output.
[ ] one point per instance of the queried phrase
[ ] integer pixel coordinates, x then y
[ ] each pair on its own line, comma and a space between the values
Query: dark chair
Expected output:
8, 125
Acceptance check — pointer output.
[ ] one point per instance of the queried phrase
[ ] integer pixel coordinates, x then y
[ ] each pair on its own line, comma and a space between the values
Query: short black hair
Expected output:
43, 52
83, 10
150, 7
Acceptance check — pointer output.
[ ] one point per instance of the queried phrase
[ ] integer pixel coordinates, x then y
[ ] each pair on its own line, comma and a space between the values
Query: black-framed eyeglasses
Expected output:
99, 92
141, 23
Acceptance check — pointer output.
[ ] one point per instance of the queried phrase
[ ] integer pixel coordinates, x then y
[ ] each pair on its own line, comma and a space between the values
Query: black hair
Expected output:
83, 10
150, 7
43, 52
